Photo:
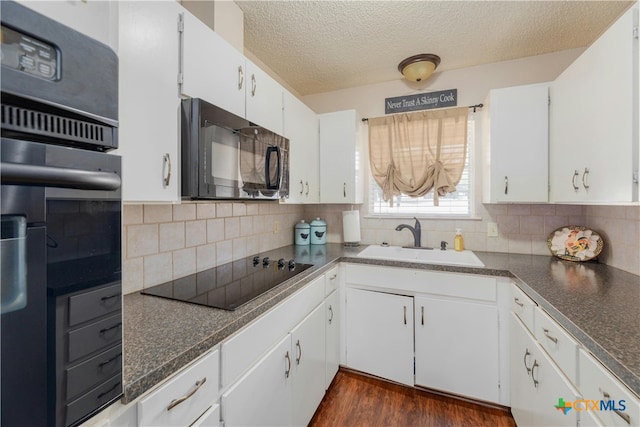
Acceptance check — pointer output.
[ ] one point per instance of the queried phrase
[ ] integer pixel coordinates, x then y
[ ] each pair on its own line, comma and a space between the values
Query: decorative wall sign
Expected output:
421, 101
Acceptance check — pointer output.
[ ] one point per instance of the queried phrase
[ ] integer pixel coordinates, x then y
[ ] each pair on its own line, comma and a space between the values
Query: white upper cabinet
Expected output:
594, 120
148, 101
215, 71
340, 157
211, 68
301, 128
263, 99
517, 147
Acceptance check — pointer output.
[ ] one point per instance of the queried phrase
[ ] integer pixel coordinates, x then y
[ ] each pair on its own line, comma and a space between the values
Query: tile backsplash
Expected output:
164, 242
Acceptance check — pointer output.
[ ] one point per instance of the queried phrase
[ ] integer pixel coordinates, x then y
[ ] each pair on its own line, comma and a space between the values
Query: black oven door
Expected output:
61, 221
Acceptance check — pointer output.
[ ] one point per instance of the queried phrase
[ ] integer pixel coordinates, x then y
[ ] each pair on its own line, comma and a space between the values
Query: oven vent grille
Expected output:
24, 120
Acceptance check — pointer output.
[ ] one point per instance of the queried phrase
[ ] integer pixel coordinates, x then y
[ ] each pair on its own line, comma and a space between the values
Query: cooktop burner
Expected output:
230, 285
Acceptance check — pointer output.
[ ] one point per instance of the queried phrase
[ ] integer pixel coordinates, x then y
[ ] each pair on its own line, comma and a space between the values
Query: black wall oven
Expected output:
61, 317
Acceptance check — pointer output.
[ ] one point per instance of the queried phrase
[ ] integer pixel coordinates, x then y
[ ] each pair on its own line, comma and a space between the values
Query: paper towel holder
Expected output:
351, 228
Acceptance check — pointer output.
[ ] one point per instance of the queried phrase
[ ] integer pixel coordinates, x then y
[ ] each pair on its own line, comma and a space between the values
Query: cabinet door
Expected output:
301, 128
212, 69
148, 101
263, 99
262, 397
593, 124
340, 180
308, 361
519, 144
380, 334
332, 325
457, 347
537, 384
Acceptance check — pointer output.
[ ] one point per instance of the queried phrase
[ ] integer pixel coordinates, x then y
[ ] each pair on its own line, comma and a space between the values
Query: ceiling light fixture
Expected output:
419, 67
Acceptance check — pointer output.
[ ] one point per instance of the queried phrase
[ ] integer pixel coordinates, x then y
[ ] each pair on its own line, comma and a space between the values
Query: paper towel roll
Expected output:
351, 226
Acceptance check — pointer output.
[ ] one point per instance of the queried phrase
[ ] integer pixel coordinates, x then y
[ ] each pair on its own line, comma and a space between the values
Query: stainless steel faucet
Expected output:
416, 230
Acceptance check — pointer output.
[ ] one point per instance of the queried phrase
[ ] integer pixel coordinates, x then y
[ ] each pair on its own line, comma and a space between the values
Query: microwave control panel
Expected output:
28, 55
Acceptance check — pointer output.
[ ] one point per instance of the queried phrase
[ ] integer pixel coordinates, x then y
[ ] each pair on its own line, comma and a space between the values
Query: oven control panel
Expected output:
28, 55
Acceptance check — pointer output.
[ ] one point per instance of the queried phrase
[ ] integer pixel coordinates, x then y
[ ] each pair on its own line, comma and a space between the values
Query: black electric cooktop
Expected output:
230, 285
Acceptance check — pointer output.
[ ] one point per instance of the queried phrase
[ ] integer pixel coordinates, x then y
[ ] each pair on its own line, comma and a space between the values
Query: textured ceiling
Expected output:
319, 46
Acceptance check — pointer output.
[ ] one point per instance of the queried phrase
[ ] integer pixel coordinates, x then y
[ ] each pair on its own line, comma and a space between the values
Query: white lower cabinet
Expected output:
537, 386
185, 397
380, 334
332, 336
262, 397
456, 347
308, 366
286, 385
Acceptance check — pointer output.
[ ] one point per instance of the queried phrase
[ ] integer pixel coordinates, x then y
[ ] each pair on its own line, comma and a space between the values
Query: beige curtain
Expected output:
413, 153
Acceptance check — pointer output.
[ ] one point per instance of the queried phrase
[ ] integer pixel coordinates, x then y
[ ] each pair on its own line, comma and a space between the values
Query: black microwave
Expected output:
227, 157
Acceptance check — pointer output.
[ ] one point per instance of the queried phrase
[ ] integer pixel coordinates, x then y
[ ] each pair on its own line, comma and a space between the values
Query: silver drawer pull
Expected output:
196, 387
288, 370
333, 277
331, 317
111, 390
299, 352
524, 359
517, 301
552, 338
109, 297
621, 414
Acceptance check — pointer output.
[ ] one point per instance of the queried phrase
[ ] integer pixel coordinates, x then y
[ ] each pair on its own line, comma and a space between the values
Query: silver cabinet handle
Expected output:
166, 166
422, 315
240, 77
254, 86
517, 301
333, 277
344, 189
288, 370
196, 387
331, 316
524, 359
573, 180
299, 347
301, 187
585, 175
307, 192
622, 415
533, 376
552, 338
506, 185
405, 314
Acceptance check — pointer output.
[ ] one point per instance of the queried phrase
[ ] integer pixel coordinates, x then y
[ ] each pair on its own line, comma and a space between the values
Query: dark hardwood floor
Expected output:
357, 400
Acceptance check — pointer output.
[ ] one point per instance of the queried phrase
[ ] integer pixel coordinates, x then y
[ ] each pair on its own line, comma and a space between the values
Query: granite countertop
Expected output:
597, 304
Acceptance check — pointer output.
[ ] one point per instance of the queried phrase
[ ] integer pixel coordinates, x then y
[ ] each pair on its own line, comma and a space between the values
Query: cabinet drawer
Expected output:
91, 372
91, 305
100, 395
332, 280
522, 306
422, 281
241, 350
86, 340
596, 383
562, 348
196, 386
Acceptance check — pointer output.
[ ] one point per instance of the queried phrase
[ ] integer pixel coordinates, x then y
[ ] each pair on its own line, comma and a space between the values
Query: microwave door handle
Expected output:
270, 151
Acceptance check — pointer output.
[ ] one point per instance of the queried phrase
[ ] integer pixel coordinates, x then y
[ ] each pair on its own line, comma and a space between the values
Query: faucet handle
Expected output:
443, 245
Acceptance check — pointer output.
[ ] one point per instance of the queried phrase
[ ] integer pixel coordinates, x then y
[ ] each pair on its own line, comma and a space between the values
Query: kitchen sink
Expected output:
428, 256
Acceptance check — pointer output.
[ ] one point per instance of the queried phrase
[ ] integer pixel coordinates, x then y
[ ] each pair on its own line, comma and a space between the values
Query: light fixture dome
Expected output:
419, 67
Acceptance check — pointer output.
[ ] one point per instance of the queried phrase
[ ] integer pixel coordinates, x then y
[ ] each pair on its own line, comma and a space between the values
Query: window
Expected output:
456, 204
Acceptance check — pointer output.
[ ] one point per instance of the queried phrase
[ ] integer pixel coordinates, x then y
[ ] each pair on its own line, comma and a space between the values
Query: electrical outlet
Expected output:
276, 227
492, 229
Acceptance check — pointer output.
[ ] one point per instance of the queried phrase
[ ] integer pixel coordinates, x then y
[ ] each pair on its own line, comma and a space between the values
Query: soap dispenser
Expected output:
458, 241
